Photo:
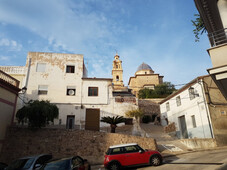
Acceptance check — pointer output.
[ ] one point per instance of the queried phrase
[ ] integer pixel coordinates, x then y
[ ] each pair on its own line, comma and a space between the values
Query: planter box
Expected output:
128, 121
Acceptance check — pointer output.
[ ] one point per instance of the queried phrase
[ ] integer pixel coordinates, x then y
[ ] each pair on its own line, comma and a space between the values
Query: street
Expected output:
203, 160
207, 160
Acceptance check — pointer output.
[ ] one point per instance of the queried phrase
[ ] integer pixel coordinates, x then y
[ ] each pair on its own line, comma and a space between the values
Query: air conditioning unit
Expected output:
71, 92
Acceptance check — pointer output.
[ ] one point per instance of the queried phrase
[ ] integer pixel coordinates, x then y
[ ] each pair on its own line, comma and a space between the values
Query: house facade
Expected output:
144, 78
9, 88
214, 16
198, 110
62, 79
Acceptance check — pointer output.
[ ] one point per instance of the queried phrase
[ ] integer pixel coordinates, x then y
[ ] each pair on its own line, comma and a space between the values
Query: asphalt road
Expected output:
204, 160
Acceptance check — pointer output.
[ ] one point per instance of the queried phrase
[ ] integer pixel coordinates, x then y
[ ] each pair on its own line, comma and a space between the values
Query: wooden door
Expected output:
92, 121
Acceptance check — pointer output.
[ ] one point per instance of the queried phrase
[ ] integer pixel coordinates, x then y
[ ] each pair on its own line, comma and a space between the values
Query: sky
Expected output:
156, 32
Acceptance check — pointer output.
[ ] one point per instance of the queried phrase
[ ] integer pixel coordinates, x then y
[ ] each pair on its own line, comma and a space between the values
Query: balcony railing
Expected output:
9, 79
218, 37
13, 69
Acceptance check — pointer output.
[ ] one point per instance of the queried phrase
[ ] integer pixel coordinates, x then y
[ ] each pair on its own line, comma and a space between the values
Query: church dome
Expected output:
144, 69
144, 66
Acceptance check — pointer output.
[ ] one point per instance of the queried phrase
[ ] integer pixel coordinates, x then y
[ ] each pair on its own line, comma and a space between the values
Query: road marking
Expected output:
172, 148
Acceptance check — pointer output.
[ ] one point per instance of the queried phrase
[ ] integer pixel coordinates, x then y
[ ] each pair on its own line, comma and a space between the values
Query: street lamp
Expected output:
23, 90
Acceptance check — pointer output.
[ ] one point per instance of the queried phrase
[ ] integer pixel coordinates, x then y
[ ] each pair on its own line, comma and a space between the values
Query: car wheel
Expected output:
155, 160
114, 166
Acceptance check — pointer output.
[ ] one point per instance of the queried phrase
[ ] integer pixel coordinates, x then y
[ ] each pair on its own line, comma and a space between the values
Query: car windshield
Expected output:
58, 165
19, 163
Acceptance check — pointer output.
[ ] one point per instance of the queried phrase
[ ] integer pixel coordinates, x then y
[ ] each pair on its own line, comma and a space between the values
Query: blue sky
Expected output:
157, 32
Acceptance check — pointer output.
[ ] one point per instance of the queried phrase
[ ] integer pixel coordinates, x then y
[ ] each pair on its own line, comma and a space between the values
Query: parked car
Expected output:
129, 155
72, 163
29, 163
2, 165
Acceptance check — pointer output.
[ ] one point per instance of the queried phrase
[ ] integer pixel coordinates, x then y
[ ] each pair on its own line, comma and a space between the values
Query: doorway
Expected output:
92, 121
183, 127
70, 122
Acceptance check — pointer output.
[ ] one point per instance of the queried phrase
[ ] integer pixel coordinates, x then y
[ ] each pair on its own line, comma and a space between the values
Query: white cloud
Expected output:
62, 23
11, 44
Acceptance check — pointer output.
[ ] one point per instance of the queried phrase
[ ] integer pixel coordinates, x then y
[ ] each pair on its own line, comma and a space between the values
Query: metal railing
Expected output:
9, 79
218, 37
13, 69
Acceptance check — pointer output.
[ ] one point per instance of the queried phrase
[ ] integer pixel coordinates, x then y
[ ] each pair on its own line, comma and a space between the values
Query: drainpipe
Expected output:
206, 106
81, 101
27, 77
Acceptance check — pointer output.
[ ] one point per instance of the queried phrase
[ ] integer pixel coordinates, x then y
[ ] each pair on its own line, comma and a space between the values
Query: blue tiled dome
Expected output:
144, 66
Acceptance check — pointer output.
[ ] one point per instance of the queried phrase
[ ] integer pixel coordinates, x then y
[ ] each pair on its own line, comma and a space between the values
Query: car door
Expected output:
41, 161
131, 155
118, 154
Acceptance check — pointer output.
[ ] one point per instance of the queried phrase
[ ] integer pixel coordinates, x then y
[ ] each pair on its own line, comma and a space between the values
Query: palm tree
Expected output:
113, 121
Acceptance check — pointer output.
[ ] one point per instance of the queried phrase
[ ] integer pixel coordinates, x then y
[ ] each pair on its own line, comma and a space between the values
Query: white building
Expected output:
62, 79
198, 110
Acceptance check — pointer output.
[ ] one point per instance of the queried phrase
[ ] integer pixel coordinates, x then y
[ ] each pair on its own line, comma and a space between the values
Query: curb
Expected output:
166, 155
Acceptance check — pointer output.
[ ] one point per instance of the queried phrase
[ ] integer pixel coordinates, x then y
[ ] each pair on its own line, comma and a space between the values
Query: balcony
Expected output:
8, 79
13, 69
218, 37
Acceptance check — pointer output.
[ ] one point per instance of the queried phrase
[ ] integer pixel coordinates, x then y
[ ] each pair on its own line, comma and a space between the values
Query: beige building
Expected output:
144, 78
82, 101
117, 76
9, 88
214, 16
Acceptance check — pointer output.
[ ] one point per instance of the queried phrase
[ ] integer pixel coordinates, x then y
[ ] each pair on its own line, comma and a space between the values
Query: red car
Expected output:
128, 155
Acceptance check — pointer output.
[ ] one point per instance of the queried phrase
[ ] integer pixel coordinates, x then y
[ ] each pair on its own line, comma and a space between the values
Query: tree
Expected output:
113, 121
38, 113
199, 26
160, 91
137, 114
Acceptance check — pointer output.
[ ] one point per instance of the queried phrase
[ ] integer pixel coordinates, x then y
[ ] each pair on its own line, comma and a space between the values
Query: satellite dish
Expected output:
71, 92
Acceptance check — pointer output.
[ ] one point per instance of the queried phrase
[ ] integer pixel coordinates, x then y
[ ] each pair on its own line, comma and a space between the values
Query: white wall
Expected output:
55, 77
189, 108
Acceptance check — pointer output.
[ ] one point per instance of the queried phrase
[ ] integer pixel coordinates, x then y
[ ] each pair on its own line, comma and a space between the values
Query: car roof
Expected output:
34, 156
123, 145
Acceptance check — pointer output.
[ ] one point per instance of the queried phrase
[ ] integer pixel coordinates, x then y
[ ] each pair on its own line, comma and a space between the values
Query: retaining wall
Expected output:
91, 145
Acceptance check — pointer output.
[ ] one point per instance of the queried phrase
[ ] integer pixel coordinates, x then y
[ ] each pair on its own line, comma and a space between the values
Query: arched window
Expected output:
116, 66
117, 78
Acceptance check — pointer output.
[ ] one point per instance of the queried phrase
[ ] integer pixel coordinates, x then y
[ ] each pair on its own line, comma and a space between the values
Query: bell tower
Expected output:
117, 72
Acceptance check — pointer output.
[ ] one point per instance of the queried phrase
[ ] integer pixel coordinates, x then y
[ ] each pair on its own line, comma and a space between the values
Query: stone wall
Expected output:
149, 107
91, 145
170, 128
199, 143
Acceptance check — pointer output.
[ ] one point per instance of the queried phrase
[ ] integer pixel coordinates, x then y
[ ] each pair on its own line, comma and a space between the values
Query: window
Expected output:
191, 91
115, 151
40, 67
116, 66
167, 106
130, 149
42, 89
193, 121
117, 78
223, 113
92, 91
70, 69
71, 91
178, 100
